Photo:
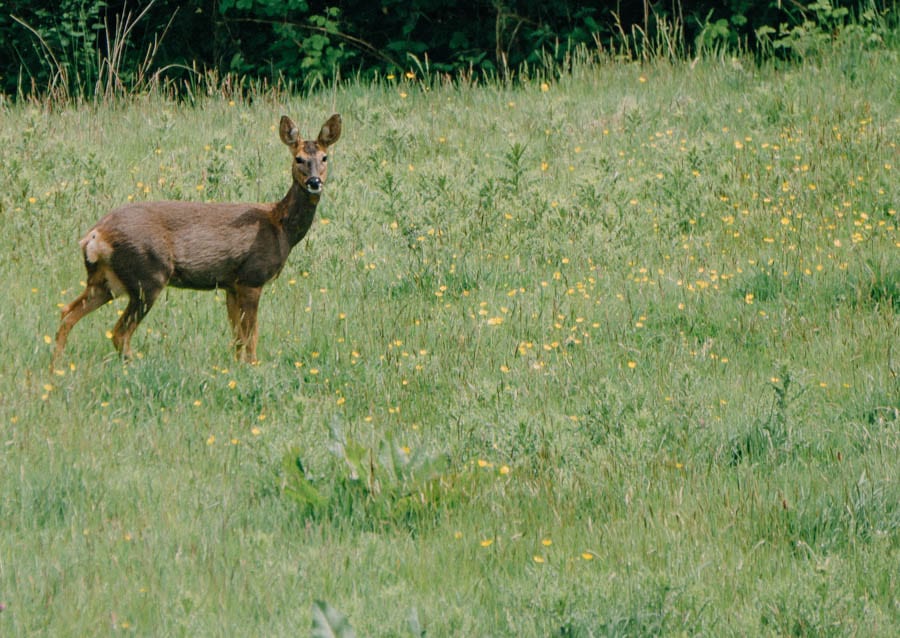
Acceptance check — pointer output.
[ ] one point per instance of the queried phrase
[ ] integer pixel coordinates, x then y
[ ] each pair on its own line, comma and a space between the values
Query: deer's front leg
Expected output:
242, 303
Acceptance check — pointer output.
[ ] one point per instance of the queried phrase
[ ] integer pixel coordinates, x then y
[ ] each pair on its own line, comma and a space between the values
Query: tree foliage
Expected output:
83, 46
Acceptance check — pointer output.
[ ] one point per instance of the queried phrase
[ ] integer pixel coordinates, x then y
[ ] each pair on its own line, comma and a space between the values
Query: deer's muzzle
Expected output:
314, 185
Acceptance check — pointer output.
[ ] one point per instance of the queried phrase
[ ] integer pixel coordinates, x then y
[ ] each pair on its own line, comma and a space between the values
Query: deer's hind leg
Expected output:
96, 294
139, 303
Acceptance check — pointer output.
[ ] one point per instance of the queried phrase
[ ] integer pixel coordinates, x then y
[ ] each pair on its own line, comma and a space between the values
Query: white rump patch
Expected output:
98, 251
95, 247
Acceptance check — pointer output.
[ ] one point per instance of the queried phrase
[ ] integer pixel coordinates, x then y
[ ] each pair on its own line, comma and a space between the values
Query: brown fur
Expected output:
139, 249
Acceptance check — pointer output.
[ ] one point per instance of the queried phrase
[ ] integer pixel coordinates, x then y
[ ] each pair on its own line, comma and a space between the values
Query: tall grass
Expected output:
83, 61
610, 352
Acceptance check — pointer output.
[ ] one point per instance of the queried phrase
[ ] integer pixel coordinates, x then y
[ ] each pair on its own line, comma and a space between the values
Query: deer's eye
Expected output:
324, 158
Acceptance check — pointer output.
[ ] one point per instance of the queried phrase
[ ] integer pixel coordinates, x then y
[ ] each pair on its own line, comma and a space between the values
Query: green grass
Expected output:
612, 353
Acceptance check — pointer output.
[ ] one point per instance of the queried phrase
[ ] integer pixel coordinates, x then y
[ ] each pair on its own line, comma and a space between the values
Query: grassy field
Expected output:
610, 352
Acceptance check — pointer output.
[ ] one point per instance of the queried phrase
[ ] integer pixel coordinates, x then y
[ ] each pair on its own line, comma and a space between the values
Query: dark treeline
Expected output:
83, 46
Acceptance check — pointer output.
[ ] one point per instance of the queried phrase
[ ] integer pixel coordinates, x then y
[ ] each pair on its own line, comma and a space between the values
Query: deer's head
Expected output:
310, 156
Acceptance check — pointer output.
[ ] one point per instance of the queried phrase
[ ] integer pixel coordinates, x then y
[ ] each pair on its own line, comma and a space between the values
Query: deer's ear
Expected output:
289, 132
331, 131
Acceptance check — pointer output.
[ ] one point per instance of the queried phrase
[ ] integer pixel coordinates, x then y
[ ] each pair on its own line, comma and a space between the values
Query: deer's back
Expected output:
196, 245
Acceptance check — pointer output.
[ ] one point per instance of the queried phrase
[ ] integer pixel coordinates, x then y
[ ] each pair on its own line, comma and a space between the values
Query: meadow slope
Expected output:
608, 352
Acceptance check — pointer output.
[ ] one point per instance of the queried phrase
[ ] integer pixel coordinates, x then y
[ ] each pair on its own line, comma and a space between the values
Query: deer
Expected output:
140, 248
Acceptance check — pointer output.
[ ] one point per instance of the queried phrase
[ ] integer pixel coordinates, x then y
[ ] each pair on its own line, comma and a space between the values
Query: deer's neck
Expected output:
296, 212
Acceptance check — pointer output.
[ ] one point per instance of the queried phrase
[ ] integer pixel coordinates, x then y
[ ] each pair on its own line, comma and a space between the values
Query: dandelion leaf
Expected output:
393, 458
415, 626
353, 454
295, 483
328, 622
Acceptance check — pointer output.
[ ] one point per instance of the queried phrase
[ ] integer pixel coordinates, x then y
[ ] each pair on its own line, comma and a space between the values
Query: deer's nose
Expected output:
314, 185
